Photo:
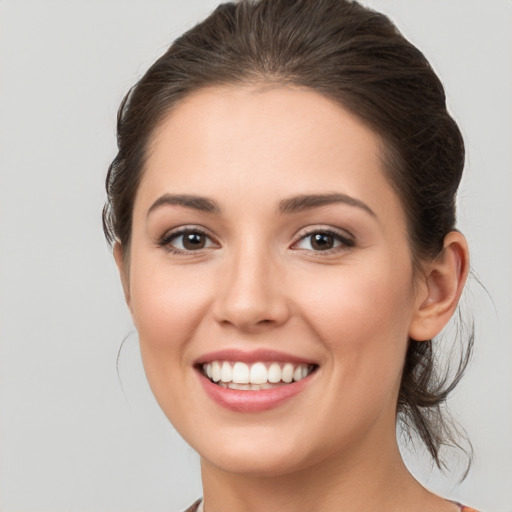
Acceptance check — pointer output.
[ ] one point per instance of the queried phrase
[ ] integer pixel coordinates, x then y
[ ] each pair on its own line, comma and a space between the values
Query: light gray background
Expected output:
69, 439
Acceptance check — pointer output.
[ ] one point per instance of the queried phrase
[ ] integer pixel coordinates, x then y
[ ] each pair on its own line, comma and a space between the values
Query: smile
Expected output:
255, 381
255, 376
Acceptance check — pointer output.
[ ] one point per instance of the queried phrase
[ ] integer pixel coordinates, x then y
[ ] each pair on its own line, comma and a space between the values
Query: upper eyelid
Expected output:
180, 230
310, 230
299, 235
345, 239
169, 236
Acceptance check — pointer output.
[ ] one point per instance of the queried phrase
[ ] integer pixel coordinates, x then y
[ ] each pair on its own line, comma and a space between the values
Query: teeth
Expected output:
215, 371
226, 372
247, 387
239, 375
258, 374
287, 375
274, 373
232, 385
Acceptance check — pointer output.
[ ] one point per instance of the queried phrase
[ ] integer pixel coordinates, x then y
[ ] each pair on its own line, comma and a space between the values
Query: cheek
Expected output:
168, 305
367, 298
363, 319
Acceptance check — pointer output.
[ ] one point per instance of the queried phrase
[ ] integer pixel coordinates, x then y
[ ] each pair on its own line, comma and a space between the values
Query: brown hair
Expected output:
357, 57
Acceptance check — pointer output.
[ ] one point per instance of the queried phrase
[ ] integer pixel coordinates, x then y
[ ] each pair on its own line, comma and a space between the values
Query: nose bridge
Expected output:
250, 294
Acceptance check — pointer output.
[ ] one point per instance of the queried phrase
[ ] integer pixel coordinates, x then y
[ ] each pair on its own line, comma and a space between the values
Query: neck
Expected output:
379, 481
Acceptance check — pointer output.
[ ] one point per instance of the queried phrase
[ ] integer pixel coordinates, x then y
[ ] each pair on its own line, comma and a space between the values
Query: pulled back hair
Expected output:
357, 57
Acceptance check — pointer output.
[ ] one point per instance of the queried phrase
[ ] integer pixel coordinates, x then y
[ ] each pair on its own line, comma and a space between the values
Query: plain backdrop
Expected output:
73, 436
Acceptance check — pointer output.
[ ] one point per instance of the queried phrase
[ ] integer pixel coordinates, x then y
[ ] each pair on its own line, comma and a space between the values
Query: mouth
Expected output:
254, 381
255, 376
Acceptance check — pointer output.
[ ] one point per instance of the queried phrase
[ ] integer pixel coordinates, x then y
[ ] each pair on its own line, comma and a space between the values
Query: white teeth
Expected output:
239, 375
233, 385
215, 371
258, 373
274, 373
256, 387
287, 374
226, 372
246, 387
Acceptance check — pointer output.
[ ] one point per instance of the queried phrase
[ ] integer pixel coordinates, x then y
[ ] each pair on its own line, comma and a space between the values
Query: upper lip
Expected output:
251, 356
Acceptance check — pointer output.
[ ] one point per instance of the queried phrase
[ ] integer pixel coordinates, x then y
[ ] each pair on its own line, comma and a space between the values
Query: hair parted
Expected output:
357, 57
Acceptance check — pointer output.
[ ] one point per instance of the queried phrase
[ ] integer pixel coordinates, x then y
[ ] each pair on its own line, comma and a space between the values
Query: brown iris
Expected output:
194, 240
322, 241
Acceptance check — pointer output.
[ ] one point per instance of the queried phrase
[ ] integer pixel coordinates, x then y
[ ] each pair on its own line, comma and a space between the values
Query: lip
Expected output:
247, 400
253, 356
253, 401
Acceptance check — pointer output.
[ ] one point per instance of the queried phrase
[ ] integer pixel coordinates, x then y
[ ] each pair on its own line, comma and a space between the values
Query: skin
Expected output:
259, 283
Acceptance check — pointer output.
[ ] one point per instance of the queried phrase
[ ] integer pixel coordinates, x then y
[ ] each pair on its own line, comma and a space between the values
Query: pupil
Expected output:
322, 242
193, 241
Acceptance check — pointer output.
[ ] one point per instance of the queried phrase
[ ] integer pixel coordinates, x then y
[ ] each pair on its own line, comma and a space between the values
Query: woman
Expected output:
282, 215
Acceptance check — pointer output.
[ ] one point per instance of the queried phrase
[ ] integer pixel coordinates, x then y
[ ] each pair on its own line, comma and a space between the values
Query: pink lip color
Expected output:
253, 356
252, 401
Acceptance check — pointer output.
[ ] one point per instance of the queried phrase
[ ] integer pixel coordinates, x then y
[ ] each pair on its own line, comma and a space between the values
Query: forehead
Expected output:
273, 140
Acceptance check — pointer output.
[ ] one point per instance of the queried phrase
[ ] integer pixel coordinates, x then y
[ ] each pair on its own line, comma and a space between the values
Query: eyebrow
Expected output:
199, 203
287, 206
308, 201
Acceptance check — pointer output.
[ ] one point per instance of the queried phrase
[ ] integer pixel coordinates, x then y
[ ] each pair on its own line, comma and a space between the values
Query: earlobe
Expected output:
123, 272
444, 281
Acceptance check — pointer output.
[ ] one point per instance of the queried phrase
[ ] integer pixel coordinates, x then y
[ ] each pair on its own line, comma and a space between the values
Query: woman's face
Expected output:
267, 245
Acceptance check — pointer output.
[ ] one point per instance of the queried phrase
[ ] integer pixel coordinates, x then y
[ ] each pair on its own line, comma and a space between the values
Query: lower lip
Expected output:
252, 401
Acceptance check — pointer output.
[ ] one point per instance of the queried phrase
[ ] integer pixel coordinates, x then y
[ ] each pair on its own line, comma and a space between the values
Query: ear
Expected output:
122, 266
440, 288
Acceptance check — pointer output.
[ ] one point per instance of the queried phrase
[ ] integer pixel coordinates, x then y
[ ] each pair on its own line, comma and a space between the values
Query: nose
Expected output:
251, 295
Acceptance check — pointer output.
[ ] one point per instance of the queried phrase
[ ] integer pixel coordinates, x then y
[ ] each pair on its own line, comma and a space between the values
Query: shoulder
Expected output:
462, 507
194, 507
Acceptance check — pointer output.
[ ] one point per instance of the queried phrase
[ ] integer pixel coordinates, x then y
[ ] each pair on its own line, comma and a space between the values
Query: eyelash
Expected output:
344, 242
168, 238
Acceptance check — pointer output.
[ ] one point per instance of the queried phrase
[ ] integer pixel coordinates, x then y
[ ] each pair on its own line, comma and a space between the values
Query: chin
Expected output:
265, 455
260, 465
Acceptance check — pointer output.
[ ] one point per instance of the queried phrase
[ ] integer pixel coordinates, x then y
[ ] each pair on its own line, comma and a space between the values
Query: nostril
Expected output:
248, 307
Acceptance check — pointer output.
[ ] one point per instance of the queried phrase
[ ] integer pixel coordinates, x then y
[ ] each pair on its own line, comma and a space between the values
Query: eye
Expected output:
323, 240
187, 240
